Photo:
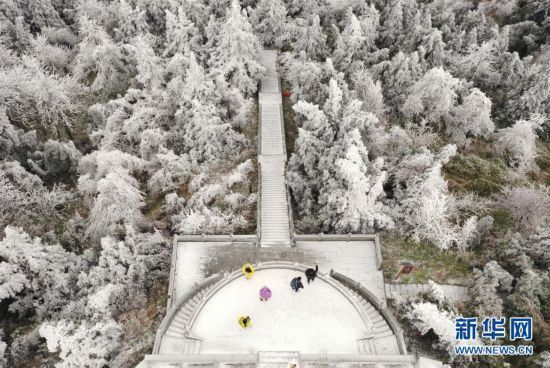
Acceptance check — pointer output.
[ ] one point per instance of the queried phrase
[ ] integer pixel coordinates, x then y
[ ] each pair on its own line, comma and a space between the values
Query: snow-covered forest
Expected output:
123, 122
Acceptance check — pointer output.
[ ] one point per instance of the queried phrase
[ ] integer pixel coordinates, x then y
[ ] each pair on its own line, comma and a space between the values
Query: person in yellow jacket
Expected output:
244, 321
248, 270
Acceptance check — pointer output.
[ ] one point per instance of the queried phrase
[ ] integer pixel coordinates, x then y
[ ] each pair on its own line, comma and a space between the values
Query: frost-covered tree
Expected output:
479, 64
304, 8
315, 136
518, 143
398, 75
57, 161
433, 48
472, 118
529, 205
181, 33
528, 85
12, 281
96, 165
537, 245
119, 264
425, 207
235, 54
3, 346
231, 210
350, 41
544, 359
118, 201
435, 293
433, 96
52, 57
530, 290
99, 61
37, 98
208, 137
24, 201
426, 317
171, 171
369, 92
311, 39
369, 19
269, 22
39, 275
206, 220
486, 288
306, 76
330, 166
351, 198
150, 69
90, 344
43, 14
428, 206
392, 22
132, 21
9, 139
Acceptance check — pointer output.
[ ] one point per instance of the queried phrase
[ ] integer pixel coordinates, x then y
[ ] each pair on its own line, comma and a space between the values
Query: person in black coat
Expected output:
296, 284
311, 273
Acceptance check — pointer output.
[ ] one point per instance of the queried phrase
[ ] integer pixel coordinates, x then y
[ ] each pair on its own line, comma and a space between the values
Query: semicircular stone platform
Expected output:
326, 317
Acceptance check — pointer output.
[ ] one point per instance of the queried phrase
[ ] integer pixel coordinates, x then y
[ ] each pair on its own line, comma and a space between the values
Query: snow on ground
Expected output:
317, 319
355, 259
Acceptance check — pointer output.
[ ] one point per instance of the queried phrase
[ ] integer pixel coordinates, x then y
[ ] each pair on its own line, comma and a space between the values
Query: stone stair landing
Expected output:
278, 359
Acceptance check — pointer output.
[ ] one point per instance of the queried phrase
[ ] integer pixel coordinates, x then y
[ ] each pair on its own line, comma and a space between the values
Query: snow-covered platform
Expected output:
357, 257
318, 319
334, 322
332, 315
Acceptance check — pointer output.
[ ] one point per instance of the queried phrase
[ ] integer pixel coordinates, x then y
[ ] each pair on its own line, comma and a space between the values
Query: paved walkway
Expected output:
195, 261
452, 292
274, 211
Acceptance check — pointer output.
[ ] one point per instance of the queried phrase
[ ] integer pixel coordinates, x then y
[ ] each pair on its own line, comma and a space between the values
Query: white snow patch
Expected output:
318, 319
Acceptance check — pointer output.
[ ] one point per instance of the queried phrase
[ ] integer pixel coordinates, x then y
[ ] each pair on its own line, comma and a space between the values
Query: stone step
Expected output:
191, 346
277, 356
175, 333
366, 346
385, 333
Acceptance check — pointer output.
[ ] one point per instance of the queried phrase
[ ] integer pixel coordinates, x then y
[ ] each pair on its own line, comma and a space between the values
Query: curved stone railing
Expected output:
171, 313
222, 282
378, 304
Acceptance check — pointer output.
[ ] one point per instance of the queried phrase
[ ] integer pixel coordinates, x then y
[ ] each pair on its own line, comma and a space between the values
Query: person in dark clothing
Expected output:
311, 273
296, 284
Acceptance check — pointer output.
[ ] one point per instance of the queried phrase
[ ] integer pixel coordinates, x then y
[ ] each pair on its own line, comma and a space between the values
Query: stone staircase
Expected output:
272, 133
274, 216
177, 333
383, 341
278, 359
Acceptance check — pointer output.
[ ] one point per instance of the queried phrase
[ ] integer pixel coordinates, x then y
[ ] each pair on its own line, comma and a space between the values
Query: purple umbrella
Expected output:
265, 293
